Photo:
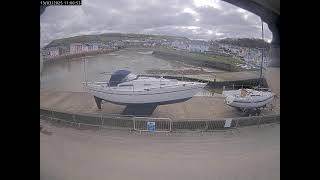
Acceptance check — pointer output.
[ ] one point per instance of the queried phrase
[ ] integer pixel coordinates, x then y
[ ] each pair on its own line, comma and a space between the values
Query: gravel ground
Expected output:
249, 153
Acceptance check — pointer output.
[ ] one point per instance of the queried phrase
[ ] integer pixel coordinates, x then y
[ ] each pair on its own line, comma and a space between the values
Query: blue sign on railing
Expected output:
151, 126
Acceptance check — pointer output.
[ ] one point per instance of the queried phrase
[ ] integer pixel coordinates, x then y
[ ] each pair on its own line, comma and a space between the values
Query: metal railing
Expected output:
161, 124
109, 74
236, 87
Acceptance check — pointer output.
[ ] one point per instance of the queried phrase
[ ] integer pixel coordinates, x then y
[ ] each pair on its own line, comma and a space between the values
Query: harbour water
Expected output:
68, 75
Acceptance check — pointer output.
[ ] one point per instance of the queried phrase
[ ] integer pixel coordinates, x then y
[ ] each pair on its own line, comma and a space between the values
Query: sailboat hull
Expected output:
159, 96
260, 99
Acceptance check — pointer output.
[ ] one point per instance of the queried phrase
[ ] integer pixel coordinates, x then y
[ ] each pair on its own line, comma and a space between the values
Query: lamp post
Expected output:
261, 53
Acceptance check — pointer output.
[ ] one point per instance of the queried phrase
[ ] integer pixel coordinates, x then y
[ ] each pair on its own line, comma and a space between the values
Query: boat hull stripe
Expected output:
147, 94
252, 101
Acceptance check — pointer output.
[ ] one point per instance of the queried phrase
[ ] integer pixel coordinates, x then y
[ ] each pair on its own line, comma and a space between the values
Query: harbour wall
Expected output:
185, 57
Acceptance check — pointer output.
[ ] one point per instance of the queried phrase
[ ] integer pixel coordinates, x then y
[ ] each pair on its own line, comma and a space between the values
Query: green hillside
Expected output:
108, 37
245, 42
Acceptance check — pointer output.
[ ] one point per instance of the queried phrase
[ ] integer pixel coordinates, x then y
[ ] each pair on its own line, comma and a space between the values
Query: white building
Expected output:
118, 43
85, 48
54, 52
179, 45
198, 46
93, 47
76, 48
45, 53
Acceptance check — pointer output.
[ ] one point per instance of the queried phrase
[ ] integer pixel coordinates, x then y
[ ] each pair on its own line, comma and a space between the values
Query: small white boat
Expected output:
247, 98
126, 88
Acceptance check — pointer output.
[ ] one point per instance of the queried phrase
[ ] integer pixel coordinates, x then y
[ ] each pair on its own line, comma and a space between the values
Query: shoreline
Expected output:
200, 60
75, 56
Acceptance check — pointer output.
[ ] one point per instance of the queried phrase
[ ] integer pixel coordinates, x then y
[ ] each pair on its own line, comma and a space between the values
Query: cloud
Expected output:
195, 19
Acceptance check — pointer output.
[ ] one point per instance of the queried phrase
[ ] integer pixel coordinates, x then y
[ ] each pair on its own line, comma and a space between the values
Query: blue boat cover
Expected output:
117, 77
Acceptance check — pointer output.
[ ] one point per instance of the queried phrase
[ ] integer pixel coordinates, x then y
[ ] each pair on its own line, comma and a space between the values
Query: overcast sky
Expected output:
194, 19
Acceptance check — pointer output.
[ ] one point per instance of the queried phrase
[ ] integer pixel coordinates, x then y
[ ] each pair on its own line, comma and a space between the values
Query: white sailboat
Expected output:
126, 88
247, 98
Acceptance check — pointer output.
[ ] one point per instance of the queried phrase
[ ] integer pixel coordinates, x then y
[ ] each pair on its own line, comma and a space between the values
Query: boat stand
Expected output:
139, 110
250, 111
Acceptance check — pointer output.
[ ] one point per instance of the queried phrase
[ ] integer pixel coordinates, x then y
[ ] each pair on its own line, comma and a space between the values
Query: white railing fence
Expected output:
151, 124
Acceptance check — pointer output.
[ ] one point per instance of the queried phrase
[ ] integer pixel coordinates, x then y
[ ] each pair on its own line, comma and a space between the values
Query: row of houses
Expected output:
74, 48
192, 46
77, 48
251, 56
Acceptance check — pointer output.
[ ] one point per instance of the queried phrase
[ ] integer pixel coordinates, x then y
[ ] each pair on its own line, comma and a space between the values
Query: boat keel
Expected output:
98, 102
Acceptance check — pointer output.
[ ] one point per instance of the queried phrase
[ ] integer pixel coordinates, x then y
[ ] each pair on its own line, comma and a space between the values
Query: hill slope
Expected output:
245, 42
108, 37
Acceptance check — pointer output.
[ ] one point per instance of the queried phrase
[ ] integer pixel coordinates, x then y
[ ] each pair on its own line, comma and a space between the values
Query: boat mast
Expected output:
85, 72
261, 53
